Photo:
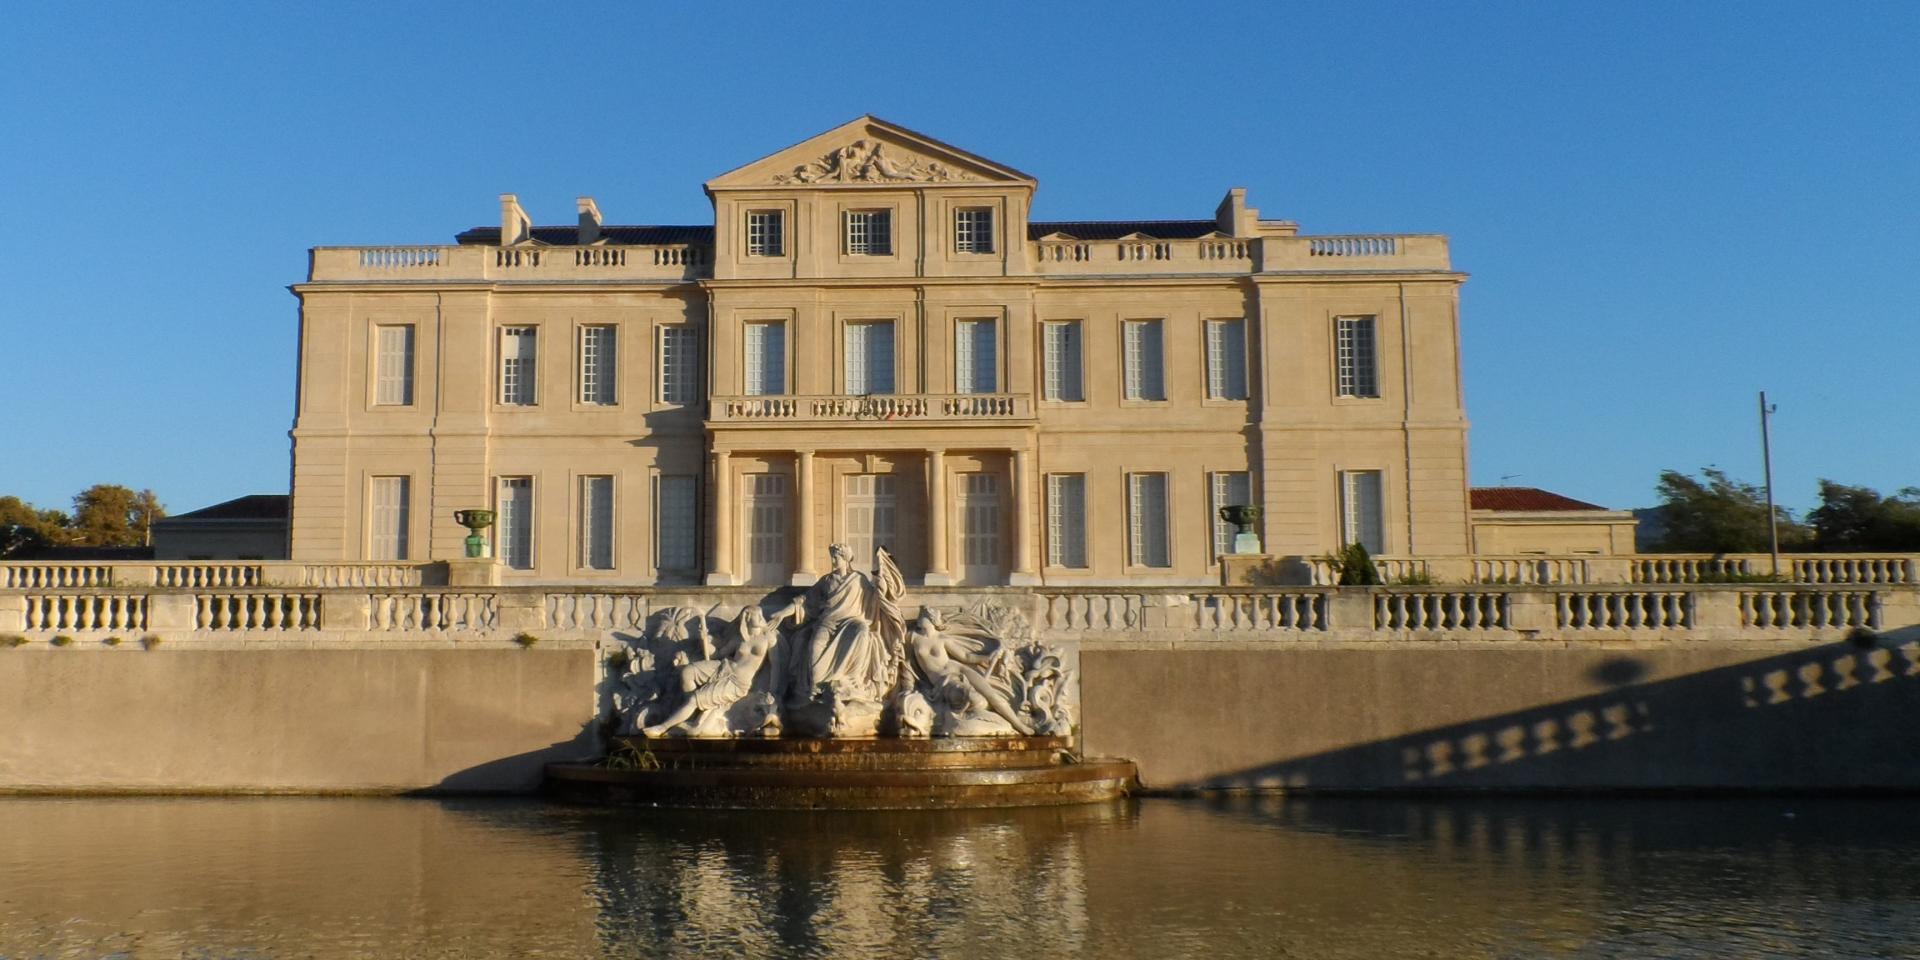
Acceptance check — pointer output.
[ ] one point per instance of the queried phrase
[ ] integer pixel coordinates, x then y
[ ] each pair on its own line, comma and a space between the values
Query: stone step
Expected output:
947, 753
825, 789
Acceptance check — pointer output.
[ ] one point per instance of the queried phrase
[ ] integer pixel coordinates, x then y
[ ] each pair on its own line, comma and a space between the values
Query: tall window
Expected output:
1227, 359
675, 522
766, 358
1067, 520
1228, 489
517, 347
393, 365
1147, 520
597, 352
973, 230
871, 506
1146, 366
391, 515
975, 366
980, 523
513, 521
1061, 343
869, 232
596, 522
679, 364
765, 234
1358, 371
768, 557
869, 357
1361, 510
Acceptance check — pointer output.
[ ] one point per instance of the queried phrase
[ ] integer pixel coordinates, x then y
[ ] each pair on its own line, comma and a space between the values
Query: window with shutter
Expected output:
1356, 357
596, 522
1226, 359
1061, 343
513, 522
1145, 369
393, 365
869, 357
390, 517
596, 373
766, 359
675, 523
1229, 488
1362, 510
517, 370
1067, 520
975, 361
679, 364
1147, 519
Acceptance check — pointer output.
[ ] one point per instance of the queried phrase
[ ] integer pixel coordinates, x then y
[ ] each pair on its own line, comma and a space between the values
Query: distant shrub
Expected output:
525, 640
1353, 567
61, 640
12, 640
111, 641
149, 641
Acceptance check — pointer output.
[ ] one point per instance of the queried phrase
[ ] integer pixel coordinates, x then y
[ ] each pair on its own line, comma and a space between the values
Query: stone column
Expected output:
720, 510
1023, 572
803, 560
937, 573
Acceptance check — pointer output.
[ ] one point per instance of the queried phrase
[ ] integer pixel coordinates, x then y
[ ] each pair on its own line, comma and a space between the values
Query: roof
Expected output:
257, 506
1525, 498
567, 236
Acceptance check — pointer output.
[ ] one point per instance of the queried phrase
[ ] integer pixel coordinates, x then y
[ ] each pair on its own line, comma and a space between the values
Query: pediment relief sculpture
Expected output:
871, 161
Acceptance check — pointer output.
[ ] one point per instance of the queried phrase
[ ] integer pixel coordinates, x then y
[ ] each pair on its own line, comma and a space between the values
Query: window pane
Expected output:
868, 357
1147, 519
870, 514
393, 365
1356, 359
391, 516
679, 364
513, 522
1145, 373
869, 232
766, 359
597, 352
1362, 510
1226, 360
973, 230
975, 363
596, 522
980, 522
517, 346
1228, 489
1062, 346
767, 553
1067, 520
675, 522
764, 237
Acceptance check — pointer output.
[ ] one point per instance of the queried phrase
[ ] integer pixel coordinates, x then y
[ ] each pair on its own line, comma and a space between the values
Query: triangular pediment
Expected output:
1059, 236
867, 152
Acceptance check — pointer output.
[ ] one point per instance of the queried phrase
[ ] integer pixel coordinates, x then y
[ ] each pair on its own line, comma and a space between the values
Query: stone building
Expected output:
874, 343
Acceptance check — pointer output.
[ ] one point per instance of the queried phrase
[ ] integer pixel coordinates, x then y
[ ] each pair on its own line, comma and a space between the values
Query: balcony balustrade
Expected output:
877, 409
456, 264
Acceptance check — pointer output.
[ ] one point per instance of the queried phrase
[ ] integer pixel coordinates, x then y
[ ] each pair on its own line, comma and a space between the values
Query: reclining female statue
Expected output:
968, 675
727, 676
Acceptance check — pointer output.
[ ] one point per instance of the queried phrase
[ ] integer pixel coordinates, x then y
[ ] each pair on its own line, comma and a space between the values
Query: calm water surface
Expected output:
280, 877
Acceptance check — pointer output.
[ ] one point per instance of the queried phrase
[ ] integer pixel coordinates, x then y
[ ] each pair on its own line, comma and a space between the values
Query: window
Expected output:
975, 368
596, 522
869, 232
869, 357
679, 364
1355, 357
767, 553
513, 521
393, 365
1067, 520
766, 234
1146, 373
870, 510
1147, 520
980, 524
517, 351
766, 358
1229, 488
597, 352
675, 522
1360, 510
391, 515
1061, 343
973, 230
1226, 360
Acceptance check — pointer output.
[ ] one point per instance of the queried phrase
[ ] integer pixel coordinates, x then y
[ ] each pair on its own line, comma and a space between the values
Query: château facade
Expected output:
874, 344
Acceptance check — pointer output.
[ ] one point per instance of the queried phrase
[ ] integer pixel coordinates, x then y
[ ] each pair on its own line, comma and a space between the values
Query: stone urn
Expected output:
475, 521
1243, 516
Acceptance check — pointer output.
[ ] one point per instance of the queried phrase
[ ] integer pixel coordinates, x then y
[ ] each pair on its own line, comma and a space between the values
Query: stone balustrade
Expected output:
664, 262
1651, 568
37, 575
873, 409
1241, 255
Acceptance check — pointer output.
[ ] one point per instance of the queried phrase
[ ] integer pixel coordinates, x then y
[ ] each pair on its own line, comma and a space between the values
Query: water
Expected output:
333, 877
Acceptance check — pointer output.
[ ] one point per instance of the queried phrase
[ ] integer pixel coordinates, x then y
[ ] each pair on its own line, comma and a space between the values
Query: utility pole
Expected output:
1766, 461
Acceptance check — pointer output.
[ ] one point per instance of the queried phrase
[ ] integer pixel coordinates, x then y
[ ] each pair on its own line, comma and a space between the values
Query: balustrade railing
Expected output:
200, 575
432, 611
86, 612
1260, 611
1810, 609
599, 262
1091, 611
596, 611
54, 576
362, 575
1529, 571
1624, 610
1353, 246
257, 611
1450, 610
873, 408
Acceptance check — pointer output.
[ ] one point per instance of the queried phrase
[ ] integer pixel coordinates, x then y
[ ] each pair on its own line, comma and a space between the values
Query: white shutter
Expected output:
768, 558
975, 364
1362, 510
394, 366
1226, 359
1067, 520
513, 522
679, 364
1147, 519
980, 523
1062, 346
1355, 357
1228, 488
1145, 370
868, 357
390, 516
596, 374
870, 511
517, 356
675, 522
596, 522
766, 359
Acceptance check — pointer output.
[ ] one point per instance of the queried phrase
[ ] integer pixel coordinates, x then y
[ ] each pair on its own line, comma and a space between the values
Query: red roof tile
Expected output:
1525, 498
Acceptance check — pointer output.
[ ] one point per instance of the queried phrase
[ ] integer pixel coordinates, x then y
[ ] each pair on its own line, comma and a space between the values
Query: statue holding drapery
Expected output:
848, 647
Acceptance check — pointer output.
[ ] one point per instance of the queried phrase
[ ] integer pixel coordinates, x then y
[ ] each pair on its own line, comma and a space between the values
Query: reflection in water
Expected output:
275, 877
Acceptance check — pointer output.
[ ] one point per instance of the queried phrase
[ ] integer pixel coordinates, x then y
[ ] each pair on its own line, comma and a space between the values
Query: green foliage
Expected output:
111, 641
149, 641
25, 527
1717, 514
1353, 567
1858, 520
626, 756
1412, 579
61, 640
1737, 576
525, 640
12, 640
110, 515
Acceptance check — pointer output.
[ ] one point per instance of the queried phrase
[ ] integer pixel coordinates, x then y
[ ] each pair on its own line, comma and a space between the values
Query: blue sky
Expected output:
1664, 207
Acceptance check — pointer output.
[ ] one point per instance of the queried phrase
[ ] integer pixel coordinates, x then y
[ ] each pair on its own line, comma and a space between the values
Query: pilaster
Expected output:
937, 573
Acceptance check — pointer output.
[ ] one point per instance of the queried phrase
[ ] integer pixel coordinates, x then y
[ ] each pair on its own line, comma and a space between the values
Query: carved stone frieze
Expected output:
870, 161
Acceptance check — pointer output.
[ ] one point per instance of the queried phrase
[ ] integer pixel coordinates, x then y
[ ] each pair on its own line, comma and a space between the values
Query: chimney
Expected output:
590, 220
515, 228
1234, 218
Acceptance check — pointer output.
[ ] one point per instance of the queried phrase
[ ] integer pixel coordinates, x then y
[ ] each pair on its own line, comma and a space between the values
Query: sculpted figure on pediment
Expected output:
870, 161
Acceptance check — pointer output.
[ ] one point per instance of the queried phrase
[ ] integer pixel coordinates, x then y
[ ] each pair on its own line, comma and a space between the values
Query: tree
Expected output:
110, 515
24, 527
1719, 515
1858, 520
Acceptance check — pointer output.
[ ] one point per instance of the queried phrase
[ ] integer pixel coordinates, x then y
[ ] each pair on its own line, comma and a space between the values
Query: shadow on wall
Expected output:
521, 772
1834, 717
